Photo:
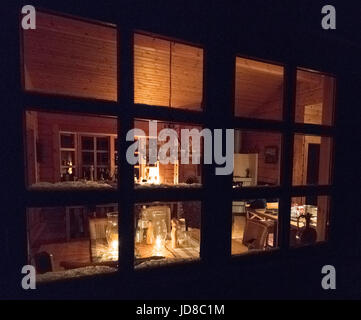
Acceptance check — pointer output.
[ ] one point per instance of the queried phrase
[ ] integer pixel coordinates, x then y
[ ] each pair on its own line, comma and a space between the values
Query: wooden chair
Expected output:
103, 209
43, 262
97, 228
256, 234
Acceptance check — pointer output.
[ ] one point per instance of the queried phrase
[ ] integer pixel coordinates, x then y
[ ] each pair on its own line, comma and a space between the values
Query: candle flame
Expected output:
158, 246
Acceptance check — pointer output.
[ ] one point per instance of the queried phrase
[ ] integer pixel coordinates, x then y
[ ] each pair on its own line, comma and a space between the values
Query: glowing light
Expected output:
158, 246
114, 245
70, 170
154, 175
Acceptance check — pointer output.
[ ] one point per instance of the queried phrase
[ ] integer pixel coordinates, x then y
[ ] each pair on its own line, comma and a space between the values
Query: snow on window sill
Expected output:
71, 185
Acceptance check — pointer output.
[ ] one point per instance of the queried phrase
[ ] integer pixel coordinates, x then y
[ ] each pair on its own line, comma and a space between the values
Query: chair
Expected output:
97, 228
43, 262
75, 221
103, 209
256, 233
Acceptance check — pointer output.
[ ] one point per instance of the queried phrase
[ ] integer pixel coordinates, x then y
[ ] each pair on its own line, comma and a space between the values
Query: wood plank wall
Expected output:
314, 98
47, 130
167, 73
76, 58
255, 142
43, 129
167, 171
70, 57
259, 89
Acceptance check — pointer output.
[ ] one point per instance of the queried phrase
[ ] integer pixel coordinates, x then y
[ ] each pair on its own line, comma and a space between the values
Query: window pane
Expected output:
168, 168
67, 140
70, 57
167, 73
187, 76
166, 232
87, 143
254, 225
103, 143
87, 158
52, 165
309, 220
74, 241
311, 159
102, 158
314, 98
259, 90
256, 158
67, 158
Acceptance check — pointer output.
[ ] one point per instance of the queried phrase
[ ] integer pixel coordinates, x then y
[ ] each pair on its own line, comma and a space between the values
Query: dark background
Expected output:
274, 30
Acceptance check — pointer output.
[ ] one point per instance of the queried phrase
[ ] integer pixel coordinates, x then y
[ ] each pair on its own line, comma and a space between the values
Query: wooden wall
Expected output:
167, 73
32, 167
258, 89
300, 156
48, 127
43, 129
70, 57
314, 98
167, 171
314, 104
151, 70
255, 142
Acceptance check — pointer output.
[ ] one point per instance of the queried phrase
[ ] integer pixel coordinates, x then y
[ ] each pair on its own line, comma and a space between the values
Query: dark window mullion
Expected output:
125, 170
56, 103
217, 204
287, 156
167, 114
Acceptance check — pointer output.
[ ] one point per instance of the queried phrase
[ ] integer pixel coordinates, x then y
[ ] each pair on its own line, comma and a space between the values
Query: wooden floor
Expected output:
79, 251
76, 251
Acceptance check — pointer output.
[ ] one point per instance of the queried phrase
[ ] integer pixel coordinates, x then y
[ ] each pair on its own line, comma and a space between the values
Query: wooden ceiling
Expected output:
259, 89
76, 58
167, 73
70, 57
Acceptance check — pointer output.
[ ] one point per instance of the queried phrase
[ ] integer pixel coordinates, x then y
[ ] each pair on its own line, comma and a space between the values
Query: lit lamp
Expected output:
154, 175
70, 170
160, 236
111, 233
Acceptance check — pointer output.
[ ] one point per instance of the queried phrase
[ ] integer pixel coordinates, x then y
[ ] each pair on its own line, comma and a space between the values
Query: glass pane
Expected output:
87, 143
67, 158
103, 173
256, 158
103, 143
167, 73
166, 232
51, 167
314, 98
254, 225
67, 140
74, 241
102, 158
70, 57
309, 220
311, 159
88, 158
186, 76
161, 162
259, 90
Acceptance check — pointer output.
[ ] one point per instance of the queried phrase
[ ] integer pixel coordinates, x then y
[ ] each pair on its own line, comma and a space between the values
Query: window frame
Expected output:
127, 111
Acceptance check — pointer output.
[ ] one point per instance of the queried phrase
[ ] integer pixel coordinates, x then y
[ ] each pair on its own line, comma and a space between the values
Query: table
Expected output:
76, 254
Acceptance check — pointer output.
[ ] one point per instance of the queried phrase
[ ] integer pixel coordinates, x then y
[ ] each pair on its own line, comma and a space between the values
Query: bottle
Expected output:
139, 232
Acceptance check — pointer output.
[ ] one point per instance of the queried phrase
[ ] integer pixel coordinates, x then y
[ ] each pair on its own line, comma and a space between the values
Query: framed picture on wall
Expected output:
271, 154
